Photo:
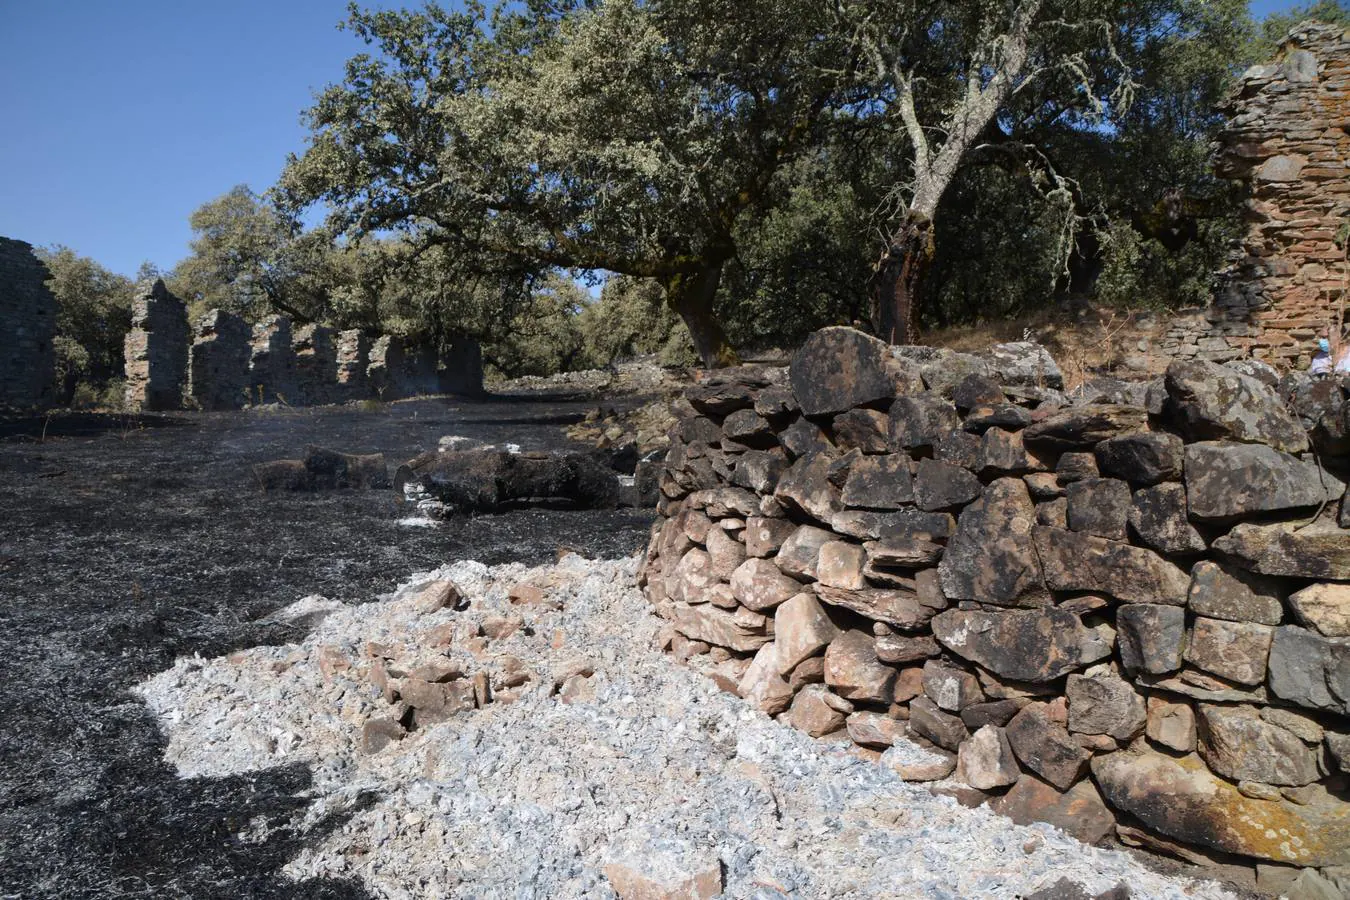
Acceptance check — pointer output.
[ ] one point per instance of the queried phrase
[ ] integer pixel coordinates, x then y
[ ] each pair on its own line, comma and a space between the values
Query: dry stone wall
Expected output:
316, 366
27, 327
1127, 615
156, 349
1289, 139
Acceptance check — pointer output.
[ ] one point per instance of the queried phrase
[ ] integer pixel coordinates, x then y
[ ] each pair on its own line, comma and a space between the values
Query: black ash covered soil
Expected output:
128, 541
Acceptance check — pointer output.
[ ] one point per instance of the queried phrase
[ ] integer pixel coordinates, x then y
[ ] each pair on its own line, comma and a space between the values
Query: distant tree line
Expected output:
737, 173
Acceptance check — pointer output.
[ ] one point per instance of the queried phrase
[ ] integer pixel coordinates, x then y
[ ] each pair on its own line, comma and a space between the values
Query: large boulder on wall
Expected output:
838, 369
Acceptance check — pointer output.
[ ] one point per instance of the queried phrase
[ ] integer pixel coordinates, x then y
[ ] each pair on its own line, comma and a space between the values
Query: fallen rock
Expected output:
1082, 562
378, 733
1033, 645
493, 480
1206, 401
991, 557
1225, 479
1079, 811
986, 760
1182, 799
663, 868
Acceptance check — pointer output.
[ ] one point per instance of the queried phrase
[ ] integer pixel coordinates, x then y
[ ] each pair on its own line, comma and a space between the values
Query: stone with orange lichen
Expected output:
1181, 798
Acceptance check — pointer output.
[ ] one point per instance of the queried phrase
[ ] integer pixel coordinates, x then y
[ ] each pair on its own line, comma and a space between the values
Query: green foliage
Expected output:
542, 338
630, 319
250, 260
93, 317
622, 136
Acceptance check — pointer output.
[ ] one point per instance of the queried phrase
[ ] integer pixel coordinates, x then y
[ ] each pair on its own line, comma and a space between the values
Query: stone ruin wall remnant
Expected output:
272, 369
156, 349
229, 364
1288, 138
316, 364
27, 328
218, 377
1127, 614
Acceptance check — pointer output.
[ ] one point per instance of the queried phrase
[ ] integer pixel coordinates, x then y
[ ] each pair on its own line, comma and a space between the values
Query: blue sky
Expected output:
120, 118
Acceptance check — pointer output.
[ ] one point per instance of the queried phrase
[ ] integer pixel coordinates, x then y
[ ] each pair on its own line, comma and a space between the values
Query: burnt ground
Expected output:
128, 541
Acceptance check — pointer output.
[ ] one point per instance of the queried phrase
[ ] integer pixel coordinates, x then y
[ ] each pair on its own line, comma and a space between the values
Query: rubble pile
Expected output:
516, 732
1127, 614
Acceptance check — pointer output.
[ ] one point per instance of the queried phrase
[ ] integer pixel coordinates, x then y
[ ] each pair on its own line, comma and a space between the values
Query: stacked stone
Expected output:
156, 349
400, 368
316, 364
1289, 138
218, 372
27, 327
353, 359
272, 367
1104, 615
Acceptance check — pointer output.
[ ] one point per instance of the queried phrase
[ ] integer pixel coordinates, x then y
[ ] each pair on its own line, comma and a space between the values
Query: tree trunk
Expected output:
898, 279
691, 295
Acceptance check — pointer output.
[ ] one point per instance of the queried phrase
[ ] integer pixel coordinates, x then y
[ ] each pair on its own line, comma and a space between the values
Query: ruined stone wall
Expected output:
1289, 139
400, 368
156, 349
218, 373
1104, 615
27, 327
272, 369
353, 360
316, 364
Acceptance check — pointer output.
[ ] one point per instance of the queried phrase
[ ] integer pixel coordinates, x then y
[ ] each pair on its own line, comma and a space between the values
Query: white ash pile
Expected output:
509, 731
